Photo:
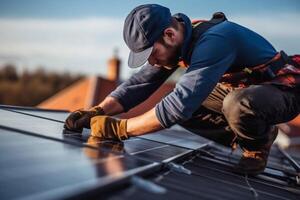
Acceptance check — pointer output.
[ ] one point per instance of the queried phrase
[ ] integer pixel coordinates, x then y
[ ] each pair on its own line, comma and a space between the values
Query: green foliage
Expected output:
31, 88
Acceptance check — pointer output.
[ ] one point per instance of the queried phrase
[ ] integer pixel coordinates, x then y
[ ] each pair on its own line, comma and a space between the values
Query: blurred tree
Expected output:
31, 88
9, 73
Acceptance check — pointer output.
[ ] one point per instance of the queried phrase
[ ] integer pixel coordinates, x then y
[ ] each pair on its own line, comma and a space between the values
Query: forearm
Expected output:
111, 106
140, 86
143, 124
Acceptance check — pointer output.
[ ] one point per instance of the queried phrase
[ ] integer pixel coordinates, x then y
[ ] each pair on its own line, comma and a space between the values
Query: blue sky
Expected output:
119, 8
79, 36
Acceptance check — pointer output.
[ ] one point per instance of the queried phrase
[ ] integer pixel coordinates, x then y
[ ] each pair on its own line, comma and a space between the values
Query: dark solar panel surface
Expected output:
38, 161
60, 116
214, 177
35, 151
57, 115
34, 165
177, 136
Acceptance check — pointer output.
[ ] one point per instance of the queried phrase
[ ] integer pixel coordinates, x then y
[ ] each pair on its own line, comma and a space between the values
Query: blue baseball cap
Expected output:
142, 27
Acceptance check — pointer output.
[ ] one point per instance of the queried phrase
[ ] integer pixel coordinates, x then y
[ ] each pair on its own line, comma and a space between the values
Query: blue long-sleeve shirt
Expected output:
223, 47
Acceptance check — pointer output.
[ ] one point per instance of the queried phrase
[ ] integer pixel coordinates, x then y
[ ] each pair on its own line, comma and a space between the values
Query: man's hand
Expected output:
80, 119
105, 127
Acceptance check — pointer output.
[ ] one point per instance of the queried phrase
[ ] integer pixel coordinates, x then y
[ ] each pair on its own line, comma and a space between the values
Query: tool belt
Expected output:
282, 69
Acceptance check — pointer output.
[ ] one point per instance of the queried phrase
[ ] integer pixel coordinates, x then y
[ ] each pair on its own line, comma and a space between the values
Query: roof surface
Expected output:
39, 160
82, 94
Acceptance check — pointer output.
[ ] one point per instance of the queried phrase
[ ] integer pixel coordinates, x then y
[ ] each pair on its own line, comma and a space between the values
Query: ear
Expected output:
170, 35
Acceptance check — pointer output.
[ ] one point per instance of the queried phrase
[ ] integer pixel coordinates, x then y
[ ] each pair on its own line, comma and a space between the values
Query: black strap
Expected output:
279, 64
217, 18
274, 67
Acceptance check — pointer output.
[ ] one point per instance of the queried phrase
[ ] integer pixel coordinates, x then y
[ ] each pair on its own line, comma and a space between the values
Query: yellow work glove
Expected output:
105, 127
80, 119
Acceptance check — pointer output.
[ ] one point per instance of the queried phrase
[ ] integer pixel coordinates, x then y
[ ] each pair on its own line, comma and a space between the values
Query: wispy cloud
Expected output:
83, 45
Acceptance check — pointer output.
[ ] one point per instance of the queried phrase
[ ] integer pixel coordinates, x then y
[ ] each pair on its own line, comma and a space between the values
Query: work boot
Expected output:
254, 162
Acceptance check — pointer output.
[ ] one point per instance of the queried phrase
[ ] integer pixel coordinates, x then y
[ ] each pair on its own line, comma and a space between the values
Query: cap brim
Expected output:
138, 59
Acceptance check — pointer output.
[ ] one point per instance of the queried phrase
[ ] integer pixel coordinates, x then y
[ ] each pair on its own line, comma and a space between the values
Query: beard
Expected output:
174, 53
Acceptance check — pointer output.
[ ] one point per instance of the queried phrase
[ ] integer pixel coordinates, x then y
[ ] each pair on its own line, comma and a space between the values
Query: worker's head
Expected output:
153, 35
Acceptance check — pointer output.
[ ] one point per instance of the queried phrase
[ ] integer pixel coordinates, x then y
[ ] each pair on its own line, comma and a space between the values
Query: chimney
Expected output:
114, 64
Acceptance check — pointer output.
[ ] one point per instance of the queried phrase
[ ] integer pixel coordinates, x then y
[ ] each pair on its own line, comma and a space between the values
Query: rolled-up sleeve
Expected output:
212, 56
140, 86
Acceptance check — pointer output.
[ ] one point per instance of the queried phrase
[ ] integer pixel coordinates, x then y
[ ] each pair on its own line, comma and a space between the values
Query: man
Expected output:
201, 101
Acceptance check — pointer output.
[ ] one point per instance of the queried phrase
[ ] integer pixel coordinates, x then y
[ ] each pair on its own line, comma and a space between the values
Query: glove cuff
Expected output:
123, 130
79, 111
97, 110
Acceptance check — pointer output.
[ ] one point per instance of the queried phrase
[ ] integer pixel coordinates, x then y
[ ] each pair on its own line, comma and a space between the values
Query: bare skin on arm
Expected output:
143, 124
111, 106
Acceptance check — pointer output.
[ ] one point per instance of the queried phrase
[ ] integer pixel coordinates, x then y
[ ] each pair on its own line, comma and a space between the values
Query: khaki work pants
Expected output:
244, 115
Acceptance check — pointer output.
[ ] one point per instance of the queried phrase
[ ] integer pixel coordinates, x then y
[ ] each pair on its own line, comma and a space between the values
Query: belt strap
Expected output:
274, 67
261, 73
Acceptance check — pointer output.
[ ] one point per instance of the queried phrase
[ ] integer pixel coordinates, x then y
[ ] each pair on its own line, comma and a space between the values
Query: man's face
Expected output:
165, 55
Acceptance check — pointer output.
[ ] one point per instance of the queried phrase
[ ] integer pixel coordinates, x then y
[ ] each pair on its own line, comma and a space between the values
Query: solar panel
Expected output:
177, 136
33, 165
38, 161
58, 115
31, 124
39, 155
53, 129
213, 177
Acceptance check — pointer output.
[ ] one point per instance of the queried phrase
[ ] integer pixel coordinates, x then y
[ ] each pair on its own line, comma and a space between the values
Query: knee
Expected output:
236, 104
244, 112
